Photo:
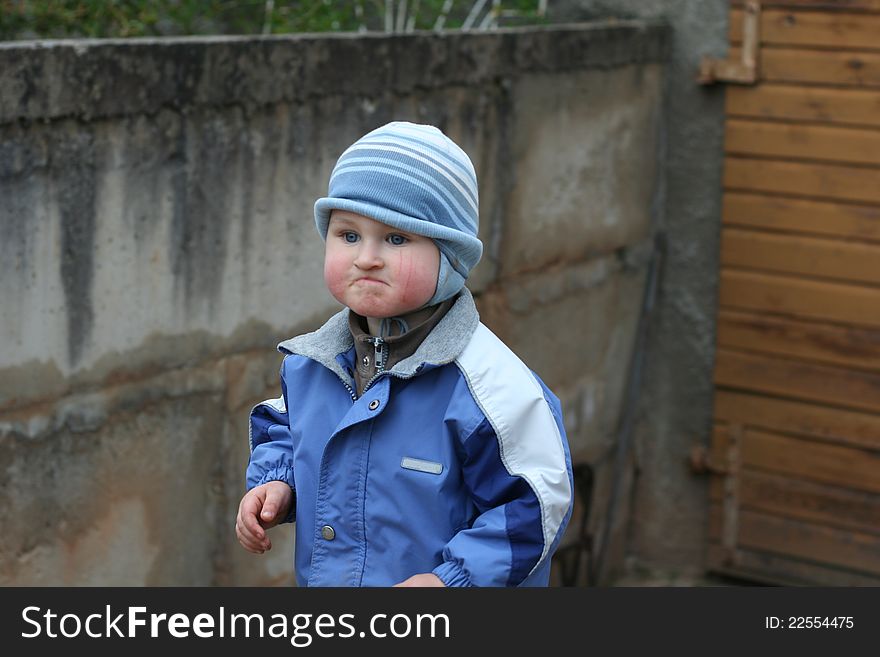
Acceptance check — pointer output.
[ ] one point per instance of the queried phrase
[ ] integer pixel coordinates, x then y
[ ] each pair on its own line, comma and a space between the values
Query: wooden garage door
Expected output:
796, 442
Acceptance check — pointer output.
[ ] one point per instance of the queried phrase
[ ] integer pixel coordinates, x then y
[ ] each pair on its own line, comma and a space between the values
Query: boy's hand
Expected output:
422, 579
261, 507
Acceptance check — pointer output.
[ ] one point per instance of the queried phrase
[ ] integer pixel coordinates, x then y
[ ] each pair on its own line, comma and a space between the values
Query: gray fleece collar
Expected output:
443, 344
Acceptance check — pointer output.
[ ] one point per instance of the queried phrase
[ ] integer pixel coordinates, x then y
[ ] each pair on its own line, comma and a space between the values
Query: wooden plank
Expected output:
781, 570
811, 29
820, 181
799, 215
821, 67
847, 467
796, 254
797, 297
835, 425
797, 380
823, 545
796, 457
823, 5
844, 69
799, 141
804, 500
800, 103
824, 343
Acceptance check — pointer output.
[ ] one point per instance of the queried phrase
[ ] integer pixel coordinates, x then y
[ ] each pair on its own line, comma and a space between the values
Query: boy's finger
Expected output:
250, 505
253, 549
250, 543
250, 526
269, 511
245, 542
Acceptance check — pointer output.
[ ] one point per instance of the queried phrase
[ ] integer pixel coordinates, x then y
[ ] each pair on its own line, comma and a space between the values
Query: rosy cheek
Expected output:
334, 274
418, 281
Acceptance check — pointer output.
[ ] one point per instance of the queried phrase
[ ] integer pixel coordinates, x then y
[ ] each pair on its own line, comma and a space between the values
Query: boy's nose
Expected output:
368, 256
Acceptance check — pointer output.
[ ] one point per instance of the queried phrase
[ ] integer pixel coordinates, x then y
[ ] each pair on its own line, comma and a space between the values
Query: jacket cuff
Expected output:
283, 474
451, 574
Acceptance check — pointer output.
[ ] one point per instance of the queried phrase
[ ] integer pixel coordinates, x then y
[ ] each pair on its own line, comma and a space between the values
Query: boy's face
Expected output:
377, 270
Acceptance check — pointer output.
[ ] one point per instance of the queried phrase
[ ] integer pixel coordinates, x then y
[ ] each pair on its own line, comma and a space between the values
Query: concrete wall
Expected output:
157, 241
668, 521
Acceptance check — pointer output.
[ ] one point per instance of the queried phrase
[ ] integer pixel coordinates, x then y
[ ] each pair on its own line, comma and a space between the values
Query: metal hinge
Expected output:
744, 71
701, 462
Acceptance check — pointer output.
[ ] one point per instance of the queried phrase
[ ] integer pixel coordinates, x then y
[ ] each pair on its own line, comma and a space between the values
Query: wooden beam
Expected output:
803, 103
803, 142
815, 257
783, 570
824, 343
819, 181
856, 222
818, 503
800, 298
833, 425
823, 5
797, 380
811, 29
822, 545
836, 465
842, 69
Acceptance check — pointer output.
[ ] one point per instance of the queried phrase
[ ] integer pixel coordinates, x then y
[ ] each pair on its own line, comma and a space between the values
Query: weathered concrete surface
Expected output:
130, 500
578, 190
669, 520
108, 78
157, 242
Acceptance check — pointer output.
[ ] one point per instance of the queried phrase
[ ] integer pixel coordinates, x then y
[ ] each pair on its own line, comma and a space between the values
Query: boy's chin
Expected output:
381, 310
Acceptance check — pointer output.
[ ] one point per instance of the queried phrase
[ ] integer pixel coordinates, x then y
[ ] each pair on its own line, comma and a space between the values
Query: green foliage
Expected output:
30, 19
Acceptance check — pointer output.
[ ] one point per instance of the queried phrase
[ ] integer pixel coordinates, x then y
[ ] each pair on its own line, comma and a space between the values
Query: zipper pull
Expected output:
379, 354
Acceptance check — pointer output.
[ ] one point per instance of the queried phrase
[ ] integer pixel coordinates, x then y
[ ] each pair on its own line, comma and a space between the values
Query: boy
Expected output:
410, 446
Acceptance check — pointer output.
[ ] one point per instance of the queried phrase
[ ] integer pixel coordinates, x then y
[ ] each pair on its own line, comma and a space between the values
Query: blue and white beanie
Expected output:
415, 178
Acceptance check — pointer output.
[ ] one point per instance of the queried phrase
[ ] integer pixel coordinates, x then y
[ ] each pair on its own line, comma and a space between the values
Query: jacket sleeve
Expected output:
522, 513
271, 445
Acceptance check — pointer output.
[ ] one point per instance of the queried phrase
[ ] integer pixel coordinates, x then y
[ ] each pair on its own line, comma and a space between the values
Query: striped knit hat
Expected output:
412, 177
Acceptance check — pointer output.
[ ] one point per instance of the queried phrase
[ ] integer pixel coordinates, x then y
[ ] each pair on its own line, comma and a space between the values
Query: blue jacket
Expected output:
454, 462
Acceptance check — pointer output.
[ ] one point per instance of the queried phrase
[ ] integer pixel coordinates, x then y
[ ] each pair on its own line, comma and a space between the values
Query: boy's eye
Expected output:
397, 240
350, 237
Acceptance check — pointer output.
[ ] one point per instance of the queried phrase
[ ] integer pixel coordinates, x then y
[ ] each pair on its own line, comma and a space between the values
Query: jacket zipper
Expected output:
350, 391
380, 357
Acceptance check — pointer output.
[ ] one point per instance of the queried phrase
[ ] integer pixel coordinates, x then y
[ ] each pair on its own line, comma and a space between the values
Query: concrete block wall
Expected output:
668, 523
157, 241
